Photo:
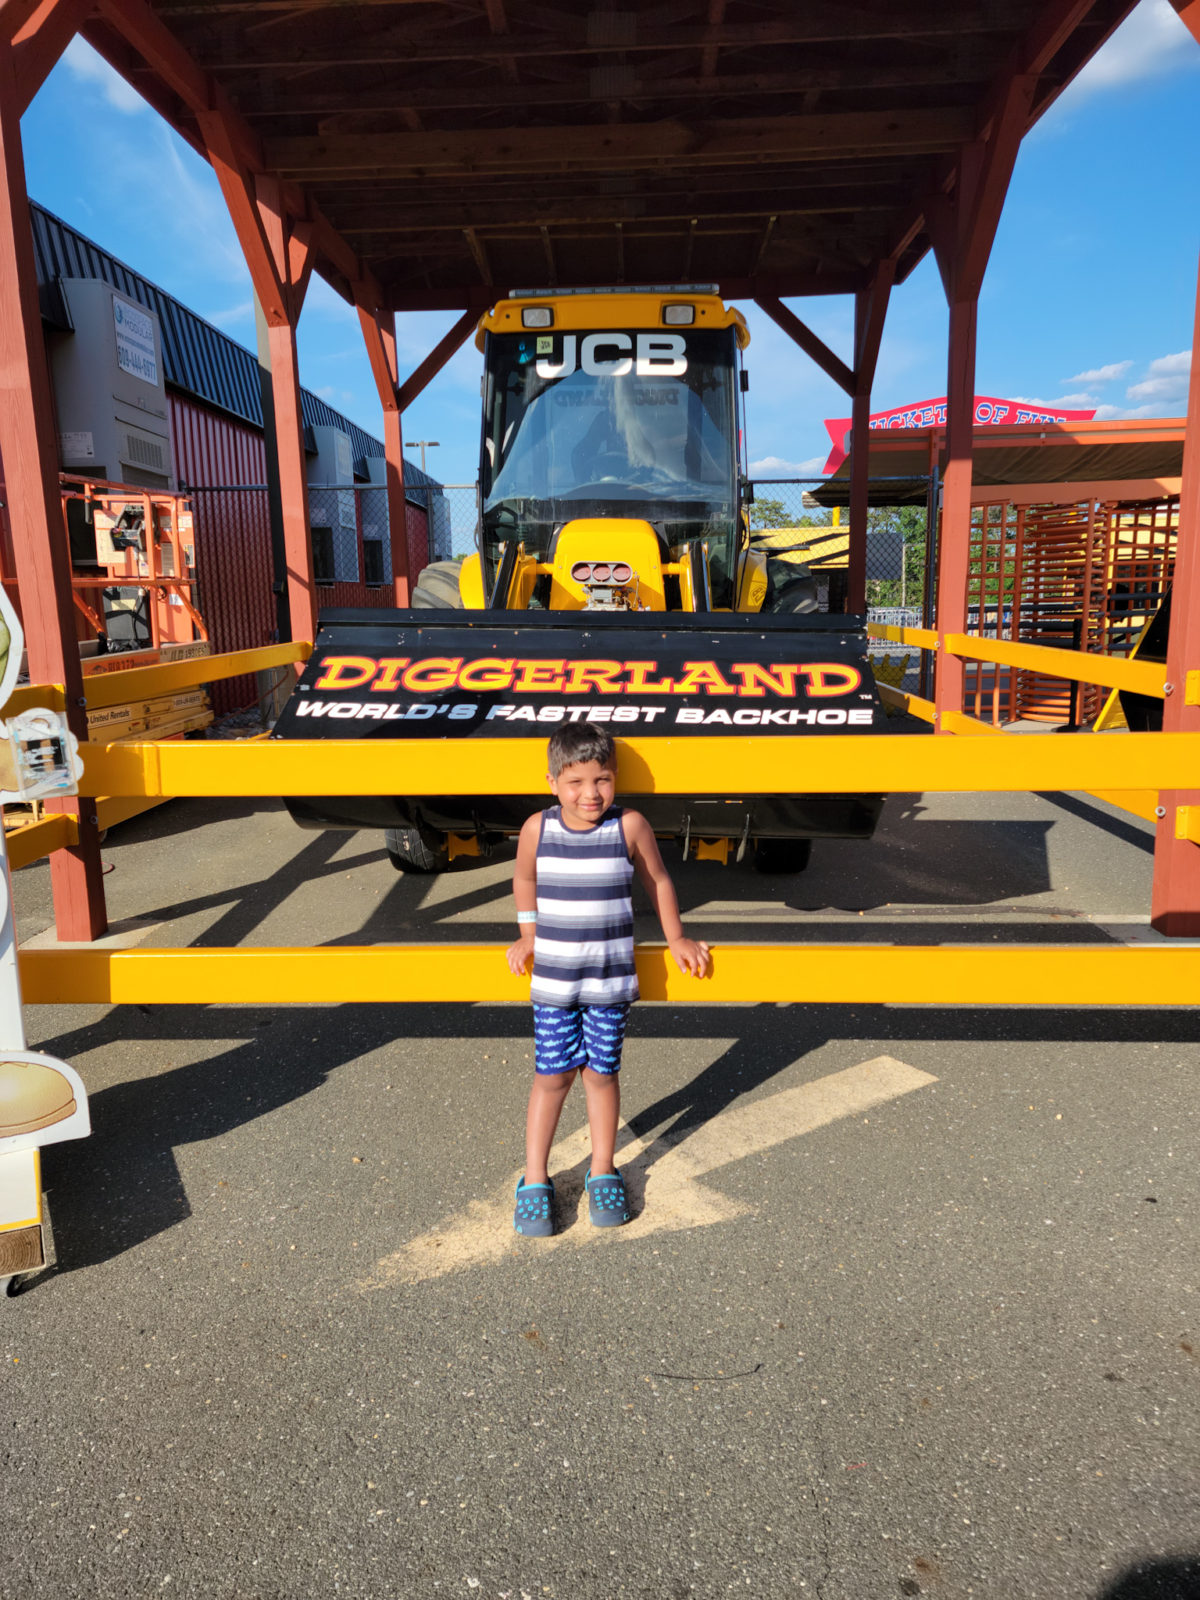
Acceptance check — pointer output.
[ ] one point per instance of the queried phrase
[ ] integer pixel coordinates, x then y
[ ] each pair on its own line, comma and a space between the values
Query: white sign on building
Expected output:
135, 341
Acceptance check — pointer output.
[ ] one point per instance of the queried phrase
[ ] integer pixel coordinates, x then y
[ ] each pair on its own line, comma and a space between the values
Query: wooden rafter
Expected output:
750, 140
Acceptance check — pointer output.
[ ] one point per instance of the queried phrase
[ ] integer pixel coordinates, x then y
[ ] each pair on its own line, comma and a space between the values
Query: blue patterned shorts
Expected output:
579, 1036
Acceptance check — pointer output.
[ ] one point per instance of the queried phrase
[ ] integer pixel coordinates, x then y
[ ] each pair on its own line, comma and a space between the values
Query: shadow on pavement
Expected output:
122, 1186
1168, 1578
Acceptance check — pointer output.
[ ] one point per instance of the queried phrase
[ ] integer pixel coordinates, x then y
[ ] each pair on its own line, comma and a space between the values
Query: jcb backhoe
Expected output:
616, 580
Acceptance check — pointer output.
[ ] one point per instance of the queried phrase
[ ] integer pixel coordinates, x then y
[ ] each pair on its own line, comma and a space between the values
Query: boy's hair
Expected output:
580, 741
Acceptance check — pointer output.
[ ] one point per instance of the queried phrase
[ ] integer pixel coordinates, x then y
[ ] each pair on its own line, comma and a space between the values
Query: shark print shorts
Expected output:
579, 1036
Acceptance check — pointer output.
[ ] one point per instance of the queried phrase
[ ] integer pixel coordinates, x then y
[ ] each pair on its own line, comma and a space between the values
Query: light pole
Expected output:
422, 445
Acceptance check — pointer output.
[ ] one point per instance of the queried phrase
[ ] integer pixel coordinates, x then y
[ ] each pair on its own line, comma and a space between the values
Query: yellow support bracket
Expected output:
822, 764
145, 683
35, 696
37, 839
1187, 823
1025, 974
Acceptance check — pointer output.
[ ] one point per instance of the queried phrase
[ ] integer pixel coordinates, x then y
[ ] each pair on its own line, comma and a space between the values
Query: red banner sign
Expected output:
989, 413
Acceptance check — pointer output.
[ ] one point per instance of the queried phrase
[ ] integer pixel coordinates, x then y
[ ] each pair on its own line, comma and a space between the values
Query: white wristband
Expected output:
526, 916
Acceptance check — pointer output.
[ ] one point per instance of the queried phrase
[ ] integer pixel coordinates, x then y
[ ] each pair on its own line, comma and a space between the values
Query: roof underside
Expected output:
466, 146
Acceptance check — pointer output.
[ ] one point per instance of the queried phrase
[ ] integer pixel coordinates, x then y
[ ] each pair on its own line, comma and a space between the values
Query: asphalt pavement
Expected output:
909, 1307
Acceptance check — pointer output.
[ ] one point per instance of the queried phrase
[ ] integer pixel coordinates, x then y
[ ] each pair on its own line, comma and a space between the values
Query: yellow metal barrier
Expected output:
1078, 666
37, 839
1054, 975
145, 683
927, 637
1144, 677
733, 766
34, 696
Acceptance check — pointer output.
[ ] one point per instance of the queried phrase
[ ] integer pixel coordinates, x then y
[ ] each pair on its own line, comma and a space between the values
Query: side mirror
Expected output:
744, 381
747, 492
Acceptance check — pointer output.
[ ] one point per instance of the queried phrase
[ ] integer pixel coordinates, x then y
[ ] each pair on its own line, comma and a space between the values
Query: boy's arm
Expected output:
525, 894
691, 955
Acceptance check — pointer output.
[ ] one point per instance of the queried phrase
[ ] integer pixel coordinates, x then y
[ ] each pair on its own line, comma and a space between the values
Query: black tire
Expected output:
780, 856
436, 588
796, 596
416, 850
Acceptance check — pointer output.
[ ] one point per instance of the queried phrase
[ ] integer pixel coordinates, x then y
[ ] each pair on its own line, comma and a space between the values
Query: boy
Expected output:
572, 883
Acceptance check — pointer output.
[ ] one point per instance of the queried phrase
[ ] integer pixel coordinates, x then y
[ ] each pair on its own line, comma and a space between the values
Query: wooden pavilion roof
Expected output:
460, 148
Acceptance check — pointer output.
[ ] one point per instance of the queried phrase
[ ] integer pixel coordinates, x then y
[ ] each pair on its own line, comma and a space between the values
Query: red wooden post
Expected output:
29, 451
293, 481
860, 470
1175, 903
955, 538
870, 309
379, 335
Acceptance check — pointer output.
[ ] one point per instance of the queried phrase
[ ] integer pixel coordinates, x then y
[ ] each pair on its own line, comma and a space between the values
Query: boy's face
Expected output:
584, 790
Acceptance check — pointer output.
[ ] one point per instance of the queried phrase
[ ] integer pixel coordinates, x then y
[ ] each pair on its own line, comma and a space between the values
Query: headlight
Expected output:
679, 315
537, 317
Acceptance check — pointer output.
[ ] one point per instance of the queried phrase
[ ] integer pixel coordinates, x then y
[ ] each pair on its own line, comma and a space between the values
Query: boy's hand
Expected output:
691, 955
519, 955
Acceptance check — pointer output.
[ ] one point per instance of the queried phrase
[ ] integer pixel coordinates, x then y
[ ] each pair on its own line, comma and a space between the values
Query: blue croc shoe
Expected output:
608, 1205
534, 1214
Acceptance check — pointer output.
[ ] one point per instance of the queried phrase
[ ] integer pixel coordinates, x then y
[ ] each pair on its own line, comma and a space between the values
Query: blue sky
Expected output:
1088, 300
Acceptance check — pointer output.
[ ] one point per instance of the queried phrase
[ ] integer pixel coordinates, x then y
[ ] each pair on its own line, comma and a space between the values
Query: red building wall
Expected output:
213, 454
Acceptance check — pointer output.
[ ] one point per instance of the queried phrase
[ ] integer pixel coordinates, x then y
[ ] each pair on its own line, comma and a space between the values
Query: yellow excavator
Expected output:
616, 579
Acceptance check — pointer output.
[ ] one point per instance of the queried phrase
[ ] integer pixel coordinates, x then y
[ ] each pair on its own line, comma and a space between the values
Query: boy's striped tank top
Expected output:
583, 943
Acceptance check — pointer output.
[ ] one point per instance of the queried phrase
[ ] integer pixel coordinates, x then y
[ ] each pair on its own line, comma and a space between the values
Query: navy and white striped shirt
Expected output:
583, 944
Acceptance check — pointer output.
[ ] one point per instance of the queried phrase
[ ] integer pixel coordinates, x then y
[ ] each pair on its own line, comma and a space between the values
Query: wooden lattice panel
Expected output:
1083, 576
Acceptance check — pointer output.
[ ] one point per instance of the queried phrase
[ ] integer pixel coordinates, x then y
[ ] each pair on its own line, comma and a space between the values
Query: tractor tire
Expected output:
796, 596
782, 856
437, 589
416, 850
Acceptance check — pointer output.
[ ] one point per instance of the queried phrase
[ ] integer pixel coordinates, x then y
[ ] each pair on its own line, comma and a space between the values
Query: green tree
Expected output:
766, 513
885, 524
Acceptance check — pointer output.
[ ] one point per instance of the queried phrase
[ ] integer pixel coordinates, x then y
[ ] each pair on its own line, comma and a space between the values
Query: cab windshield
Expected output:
638, 423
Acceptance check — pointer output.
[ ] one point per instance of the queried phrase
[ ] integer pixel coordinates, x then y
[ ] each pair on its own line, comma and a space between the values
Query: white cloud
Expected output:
1114, 369
1151, 42
1166, 381
1066, 402
1181, 361
81, 60
776, 467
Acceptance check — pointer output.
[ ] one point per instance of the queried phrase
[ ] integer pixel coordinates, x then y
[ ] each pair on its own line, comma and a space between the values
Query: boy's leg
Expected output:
546, 1100
558, 1054
603, 1092
603, 1036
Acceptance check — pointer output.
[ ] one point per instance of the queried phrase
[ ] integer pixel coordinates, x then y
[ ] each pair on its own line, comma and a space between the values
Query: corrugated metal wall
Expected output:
214, 453
233, 534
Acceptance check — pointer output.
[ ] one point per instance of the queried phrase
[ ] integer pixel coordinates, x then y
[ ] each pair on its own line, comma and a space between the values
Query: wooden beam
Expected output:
395, 218
40, 41
1175, 904
982, 217
464, 90
870, 310
749, 140
808, 341
1188, 12
173, 67
451, 296
446, 347
340, 46
29, 449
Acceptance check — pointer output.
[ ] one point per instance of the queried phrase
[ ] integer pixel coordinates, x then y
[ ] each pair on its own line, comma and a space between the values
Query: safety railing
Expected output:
1147, 678
33, 840
732, 766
